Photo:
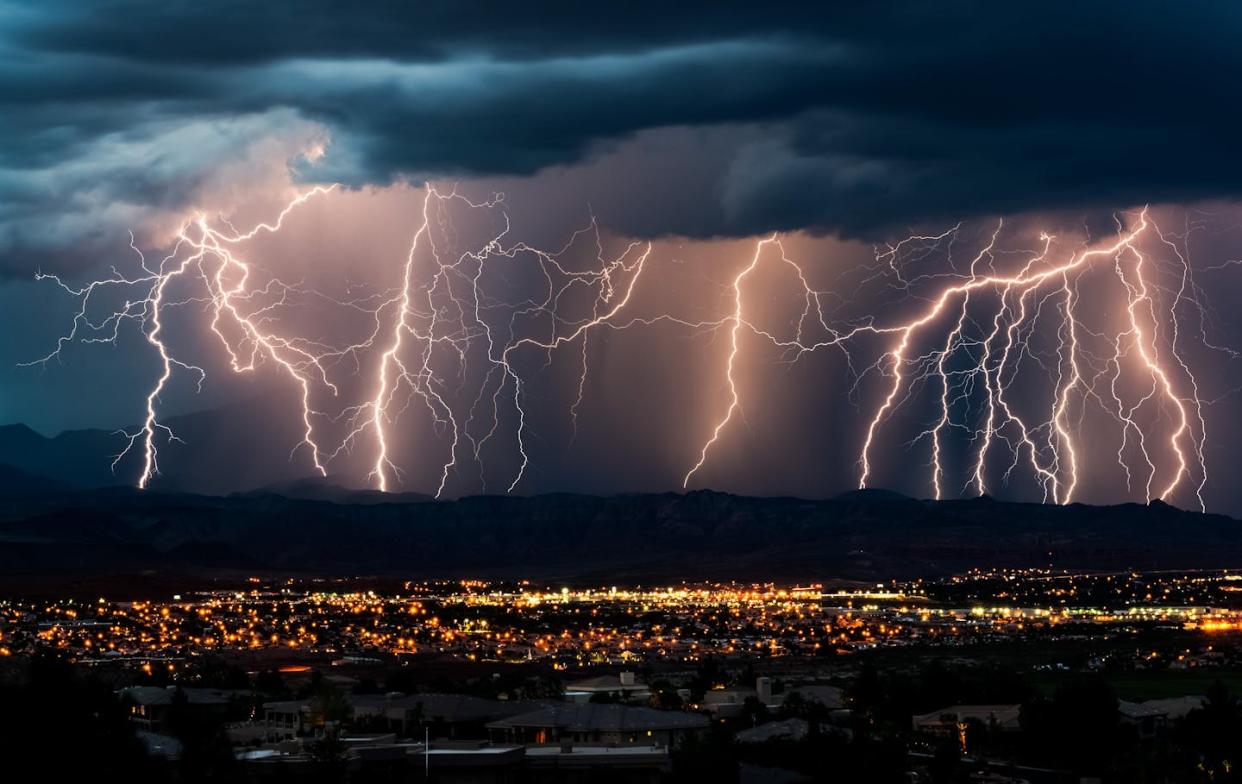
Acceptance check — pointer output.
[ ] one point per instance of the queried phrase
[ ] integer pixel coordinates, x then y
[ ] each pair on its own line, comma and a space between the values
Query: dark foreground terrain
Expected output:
701, 535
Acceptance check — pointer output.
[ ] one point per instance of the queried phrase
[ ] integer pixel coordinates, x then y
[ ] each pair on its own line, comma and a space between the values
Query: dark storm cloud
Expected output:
245, 32
857, 118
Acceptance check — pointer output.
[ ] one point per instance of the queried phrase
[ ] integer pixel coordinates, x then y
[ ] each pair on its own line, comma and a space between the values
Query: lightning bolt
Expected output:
439, 325
993, 360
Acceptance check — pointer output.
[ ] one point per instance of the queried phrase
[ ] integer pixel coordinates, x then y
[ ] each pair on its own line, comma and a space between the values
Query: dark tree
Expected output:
205, 751
51, 702
1214, 734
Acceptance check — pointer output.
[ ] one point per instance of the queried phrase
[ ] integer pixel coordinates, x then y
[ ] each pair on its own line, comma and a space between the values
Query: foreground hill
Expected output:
619, 538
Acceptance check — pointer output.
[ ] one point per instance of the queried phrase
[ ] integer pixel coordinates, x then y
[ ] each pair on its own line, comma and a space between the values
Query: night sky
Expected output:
787, 159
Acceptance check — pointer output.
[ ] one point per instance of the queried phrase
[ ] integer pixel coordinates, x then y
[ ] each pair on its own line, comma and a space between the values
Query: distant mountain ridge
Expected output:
314, 488
17, 481
624, 538
79, 458
210, 458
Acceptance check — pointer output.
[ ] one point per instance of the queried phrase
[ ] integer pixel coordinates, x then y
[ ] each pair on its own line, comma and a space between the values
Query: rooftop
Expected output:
1005, 716
590, 717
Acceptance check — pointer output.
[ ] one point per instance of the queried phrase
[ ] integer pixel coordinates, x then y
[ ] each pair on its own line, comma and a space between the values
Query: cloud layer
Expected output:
850, 120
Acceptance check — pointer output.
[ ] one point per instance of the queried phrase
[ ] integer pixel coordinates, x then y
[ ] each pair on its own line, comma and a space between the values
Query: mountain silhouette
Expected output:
623, 538
217, 453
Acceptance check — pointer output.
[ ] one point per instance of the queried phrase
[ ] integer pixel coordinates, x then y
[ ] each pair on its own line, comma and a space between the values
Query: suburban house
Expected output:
623, 685
598, 724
